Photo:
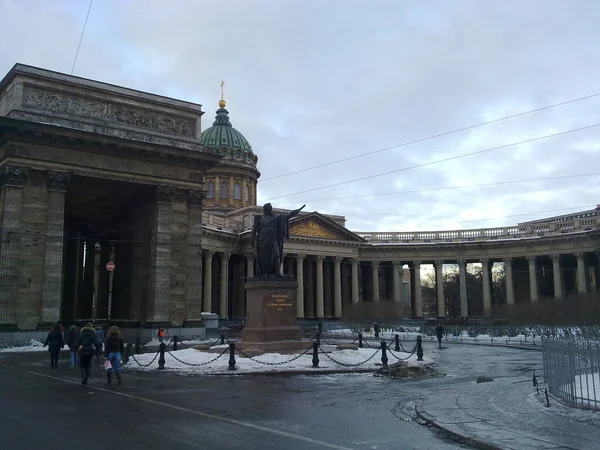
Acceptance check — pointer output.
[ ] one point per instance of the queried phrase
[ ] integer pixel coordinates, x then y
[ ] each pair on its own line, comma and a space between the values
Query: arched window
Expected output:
224, 190
237, 191
210, 189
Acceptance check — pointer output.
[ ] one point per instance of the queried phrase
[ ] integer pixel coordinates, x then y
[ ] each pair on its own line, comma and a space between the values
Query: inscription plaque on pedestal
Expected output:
271, 316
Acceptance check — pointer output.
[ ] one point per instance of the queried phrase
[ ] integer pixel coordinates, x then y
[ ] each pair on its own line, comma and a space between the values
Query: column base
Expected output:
10, 326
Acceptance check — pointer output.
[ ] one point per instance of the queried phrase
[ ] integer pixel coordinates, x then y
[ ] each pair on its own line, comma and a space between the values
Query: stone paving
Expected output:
508, 414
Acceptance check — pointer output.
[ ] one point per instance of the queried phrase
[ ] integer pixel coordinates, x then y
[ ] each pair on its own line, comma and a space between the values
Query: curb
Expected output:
457, 436
234, 373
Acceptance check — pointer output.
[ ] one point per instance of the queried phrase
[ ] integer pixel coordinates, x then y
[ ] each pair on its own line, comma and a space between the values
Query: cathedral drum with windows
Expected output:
232, 183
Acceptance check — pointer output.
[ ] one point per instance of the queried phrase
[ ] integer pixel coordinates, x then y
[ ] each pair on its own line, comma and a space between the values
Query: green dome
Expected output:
223, 135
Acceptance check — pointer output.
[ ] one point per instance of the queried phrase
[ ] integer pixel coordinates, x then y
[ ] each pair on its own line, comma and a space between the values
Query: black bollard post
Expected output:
137, 346
547, 398
222, 339
360, 340
534, 380
315, 359
318, 338
175, 343
419, 348
384, 358
161, 358
397, 342
231, 356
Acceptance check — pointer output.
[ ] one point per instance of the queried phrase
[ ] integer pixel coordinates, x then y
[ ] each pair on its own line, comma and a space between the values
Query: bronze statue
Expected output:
268, 233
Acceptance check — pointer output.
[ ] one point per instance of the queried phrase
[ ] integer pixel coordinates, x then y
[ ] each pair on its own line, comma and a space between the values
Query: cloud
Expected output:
312, 82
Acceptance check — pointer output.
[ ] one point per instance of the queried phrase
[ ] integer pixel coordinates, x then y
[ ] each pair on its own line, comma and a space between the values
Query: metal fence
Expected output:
572, 370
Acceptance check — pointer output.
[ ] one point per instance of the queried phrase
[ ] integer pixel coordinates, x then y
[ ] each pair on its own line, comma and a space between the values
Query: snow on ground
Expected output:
587, 387
32, 346
584, 416
268, 362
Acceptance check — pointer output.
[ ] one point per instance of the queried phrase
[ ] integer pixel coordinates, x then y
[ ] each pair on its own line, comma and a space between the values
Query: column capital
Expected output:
356, 261
338, 260
58, 181
209, 254
417, 262
484, 261
249, 255
375, 263
320, 258
165, 194
531, 259
461, 262
397, 264
224, 255
439, 263
300, 256
555, 258
13, 176
508, 261
579, 255
195, 198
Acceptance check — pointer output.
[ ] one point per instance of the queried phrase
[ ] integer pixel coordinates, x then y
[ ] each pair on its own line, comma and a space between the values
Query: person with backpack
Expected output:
87, 348
113, 349
72, 337
55, 343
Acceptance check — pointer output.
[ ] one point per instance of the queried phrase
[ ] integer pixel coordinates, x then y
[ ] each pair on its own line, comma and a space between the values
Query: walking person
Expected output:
99, 341
55, 342
87, 347
113, 349
72, 337
376, 329
439, 332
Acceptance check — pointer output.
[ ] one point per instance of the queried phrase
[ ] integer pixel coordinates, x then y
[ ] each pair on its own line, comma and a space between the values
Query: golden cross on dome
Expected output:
222, 84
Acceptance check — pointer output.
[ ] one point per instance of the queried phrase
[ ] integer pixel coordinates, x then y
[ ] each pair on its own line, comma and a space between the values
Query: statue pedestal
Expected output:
271, 316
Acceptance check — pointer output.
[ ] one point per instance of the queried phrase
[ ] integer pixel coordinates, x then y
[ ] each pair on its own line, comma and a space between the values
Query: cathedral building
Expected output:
122, 206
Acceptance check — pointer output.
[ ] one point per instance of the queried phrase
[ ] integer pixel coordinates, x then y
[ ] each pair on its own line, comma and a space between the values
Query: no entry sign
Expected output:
110, 266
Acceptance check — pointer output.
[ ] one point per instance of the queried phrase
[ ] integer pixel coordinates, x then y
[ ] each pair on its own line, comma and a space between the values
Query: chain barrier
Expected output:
145, 365
347, 364
225, 350
252, 358
393, 343
414, 350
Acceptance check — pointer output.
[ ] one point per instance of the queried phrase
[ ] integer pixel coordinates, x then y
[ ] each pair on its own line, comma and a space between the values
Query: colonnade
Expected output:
330, 282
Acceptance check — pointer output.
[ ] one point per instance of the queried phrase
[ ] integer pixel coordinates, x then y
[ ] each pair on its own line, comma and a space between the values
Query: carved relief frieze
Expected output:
13, 176
58, 181
99, 109
311, 228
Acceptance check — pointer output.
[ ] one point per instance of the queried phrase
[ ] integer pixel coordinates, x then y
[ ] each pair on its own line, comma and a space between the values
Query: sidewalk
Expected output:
507, 414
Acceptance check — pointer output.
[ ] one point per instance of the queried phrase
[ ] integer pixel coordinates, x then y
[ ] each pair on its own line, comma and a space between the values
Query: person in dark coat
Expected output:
376, 329
72, 337
55, 342
87, 348
113, 349
439, 332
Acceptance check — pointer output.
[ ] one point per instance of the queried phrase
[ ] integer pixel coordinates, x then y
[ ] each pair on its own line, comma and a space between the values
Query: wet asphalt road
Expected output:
46, 409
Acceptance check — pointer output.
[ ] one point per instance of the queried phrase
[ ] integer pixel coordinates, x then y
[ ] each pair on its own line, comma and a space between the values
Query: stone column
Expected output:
439, 287
250, 265
53, 261
462, 278
96, 283
337, 287
375, 280
300, 280
208, 264
194, 256
354, 281
397, 281
598, 271
581, 278
224, 291
418, 293
510, 288
160, 257
557, 276
533, 285
320, 300
12, 181
487, 292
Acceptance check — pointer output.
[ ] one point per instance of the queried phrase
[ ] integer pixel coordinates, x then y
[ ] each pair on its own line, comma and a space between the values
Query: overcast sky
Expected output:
311, 82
